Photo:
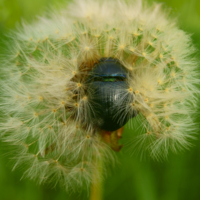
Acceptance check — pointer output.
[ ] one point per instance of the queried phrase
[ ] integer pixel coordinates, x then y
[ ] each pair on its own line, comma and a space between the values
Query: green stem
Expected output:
96, 191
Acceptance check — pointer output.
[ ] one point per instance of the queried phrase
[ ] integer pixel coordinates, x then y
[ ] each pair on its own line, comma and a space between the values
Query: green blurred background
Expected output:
176, 178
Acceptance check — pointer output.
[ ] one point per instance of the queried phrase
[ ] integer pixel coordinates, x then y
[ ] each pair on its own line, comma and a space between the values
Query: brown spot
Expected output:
88, 136
130, 89
40, 98
137, 92
76, 104
121, 47
17, 63
144, 54
173, 74
119, 132
112, 138
87, 48
130, 69
85, 98
50, 127
159, 81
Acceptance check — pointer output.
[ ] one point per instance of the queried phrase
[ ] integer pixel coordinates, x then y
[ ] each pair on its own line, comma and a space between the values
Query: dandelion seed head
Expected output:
53, 97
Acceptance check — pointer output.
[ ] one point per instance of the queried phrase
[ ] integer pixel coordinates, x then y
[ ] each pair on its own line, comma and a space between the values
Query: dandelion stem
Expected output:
96, 191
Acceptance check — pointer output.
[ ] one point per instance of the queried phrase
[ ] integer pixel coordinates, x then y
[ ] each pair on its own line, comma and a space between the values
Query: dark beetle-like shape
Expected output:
108, 83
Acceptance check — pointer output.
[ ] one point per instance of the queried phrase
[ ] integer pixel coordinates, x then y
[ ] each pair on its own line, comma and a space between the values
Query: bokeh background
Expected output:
177, 178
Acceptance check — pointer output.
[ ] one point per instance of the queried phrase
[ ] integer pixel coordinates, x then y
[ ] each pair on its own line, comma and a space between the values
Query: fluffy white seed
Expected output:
44, 105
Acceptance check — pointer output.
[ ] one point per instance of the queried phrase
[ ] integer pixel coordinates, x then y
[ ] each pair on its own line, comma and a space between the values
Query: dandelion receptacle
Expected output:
72, 79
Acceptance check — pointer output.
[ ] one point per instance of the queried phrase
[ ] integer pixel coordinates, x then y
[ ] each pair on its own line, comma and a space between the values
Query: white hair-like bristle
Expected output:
44, 119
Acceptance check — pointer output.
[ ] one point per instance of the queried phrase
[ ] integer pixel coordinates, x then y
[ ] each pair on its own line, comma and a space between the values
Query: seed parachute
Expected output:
72, 79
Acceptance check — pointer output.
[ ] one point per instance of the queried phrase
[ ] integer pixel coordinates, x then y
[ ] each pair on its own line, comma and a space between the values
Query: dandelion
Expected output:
71, 80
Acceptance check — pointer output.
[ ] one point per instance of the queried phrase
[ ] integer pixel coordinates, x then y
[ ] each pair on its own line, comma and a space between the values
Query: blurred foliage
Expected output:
13, 11
131, 178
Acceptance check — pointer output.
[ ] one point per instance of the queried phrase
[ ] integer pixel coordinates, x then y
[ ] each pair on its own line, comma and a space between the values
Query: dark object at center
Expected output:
108, 84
